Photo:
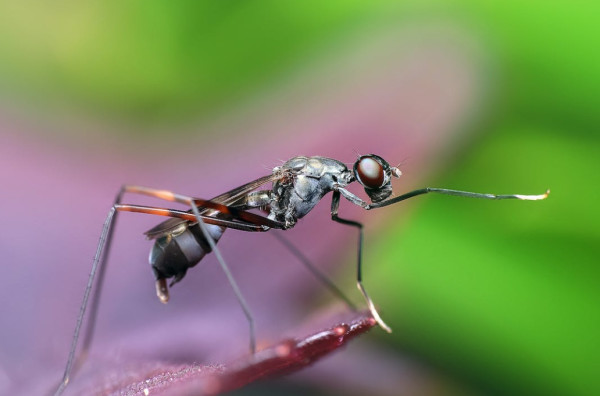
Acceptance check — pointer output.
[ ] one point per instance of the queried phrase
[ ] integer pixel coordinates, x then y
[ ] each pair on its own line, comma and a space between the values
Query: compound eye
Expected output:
370, 172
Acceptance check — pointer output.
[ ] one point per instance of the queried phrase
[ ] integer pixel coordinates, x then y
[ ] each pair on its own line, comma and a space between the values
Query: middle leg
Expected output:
328, 283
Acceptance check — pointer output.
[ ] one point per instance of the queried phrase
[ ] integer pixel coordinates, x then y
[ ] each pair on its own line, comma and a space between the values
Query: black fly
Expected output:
297, 186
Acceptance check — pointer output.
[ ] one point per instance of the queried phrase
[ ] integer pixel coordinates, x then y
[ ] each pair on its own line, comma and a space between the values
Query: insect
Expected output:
297, 186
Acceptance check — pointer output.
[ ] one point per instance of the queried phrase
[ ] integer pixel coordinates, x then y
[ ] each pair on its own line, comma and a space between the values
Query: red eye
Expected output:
369, 172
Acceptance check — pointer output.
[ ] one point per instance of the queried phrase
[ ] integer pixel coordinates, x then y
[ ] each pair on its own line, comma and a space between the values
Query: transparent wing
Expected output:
227, 198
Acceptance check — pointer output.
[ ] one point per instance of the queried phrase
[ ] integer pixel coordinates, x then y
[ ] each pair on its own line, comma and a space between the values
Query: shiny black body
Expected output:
298, 185
174, 253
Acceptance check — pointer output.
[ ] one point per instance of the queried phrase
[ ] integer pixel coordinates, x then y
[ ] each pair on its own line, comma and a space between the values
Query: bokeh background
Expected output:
485, 298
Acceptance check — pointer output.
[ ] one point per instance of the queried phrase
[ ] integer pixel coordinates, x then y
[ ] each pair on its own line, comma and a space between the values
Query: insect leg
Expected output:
230, 277
365, 205
98, 269
262, 199
236, 213
457, 193
335, 203
328, 283
180, 214
98, 265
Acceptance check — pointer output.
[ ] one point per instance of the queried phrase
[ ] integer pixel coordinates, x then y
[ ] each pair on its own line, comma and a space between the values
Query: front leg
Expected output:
350, 197
457, 193
368, 206
335, 203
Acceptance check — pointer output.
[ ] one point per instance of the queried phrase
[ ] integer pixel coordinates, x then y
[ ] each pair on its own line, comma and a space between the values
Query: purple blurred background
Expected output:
201, 98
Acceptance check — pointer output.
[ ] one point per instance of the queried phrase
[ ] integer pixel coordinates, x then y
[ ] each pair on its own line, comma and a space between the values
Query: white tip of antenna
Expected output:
534, 197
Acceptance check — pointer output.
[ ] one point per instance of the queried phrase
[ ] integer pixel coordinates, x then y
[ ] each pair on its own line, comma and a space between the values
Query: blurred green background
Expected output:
468, 298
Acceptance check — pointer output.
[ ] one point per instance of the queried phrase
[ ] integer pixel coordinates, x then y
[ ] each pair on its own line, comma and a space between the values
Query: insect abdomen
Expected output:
174, 253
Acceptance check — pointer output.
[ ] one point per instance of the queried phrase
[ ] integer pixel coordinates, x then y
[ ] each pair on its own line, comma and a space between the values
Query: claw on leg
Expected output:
373, 310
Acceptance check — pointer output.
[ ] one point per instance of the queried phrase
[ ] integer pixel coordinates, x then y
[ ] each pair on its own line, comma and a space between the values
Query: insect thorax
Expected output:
302, 184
